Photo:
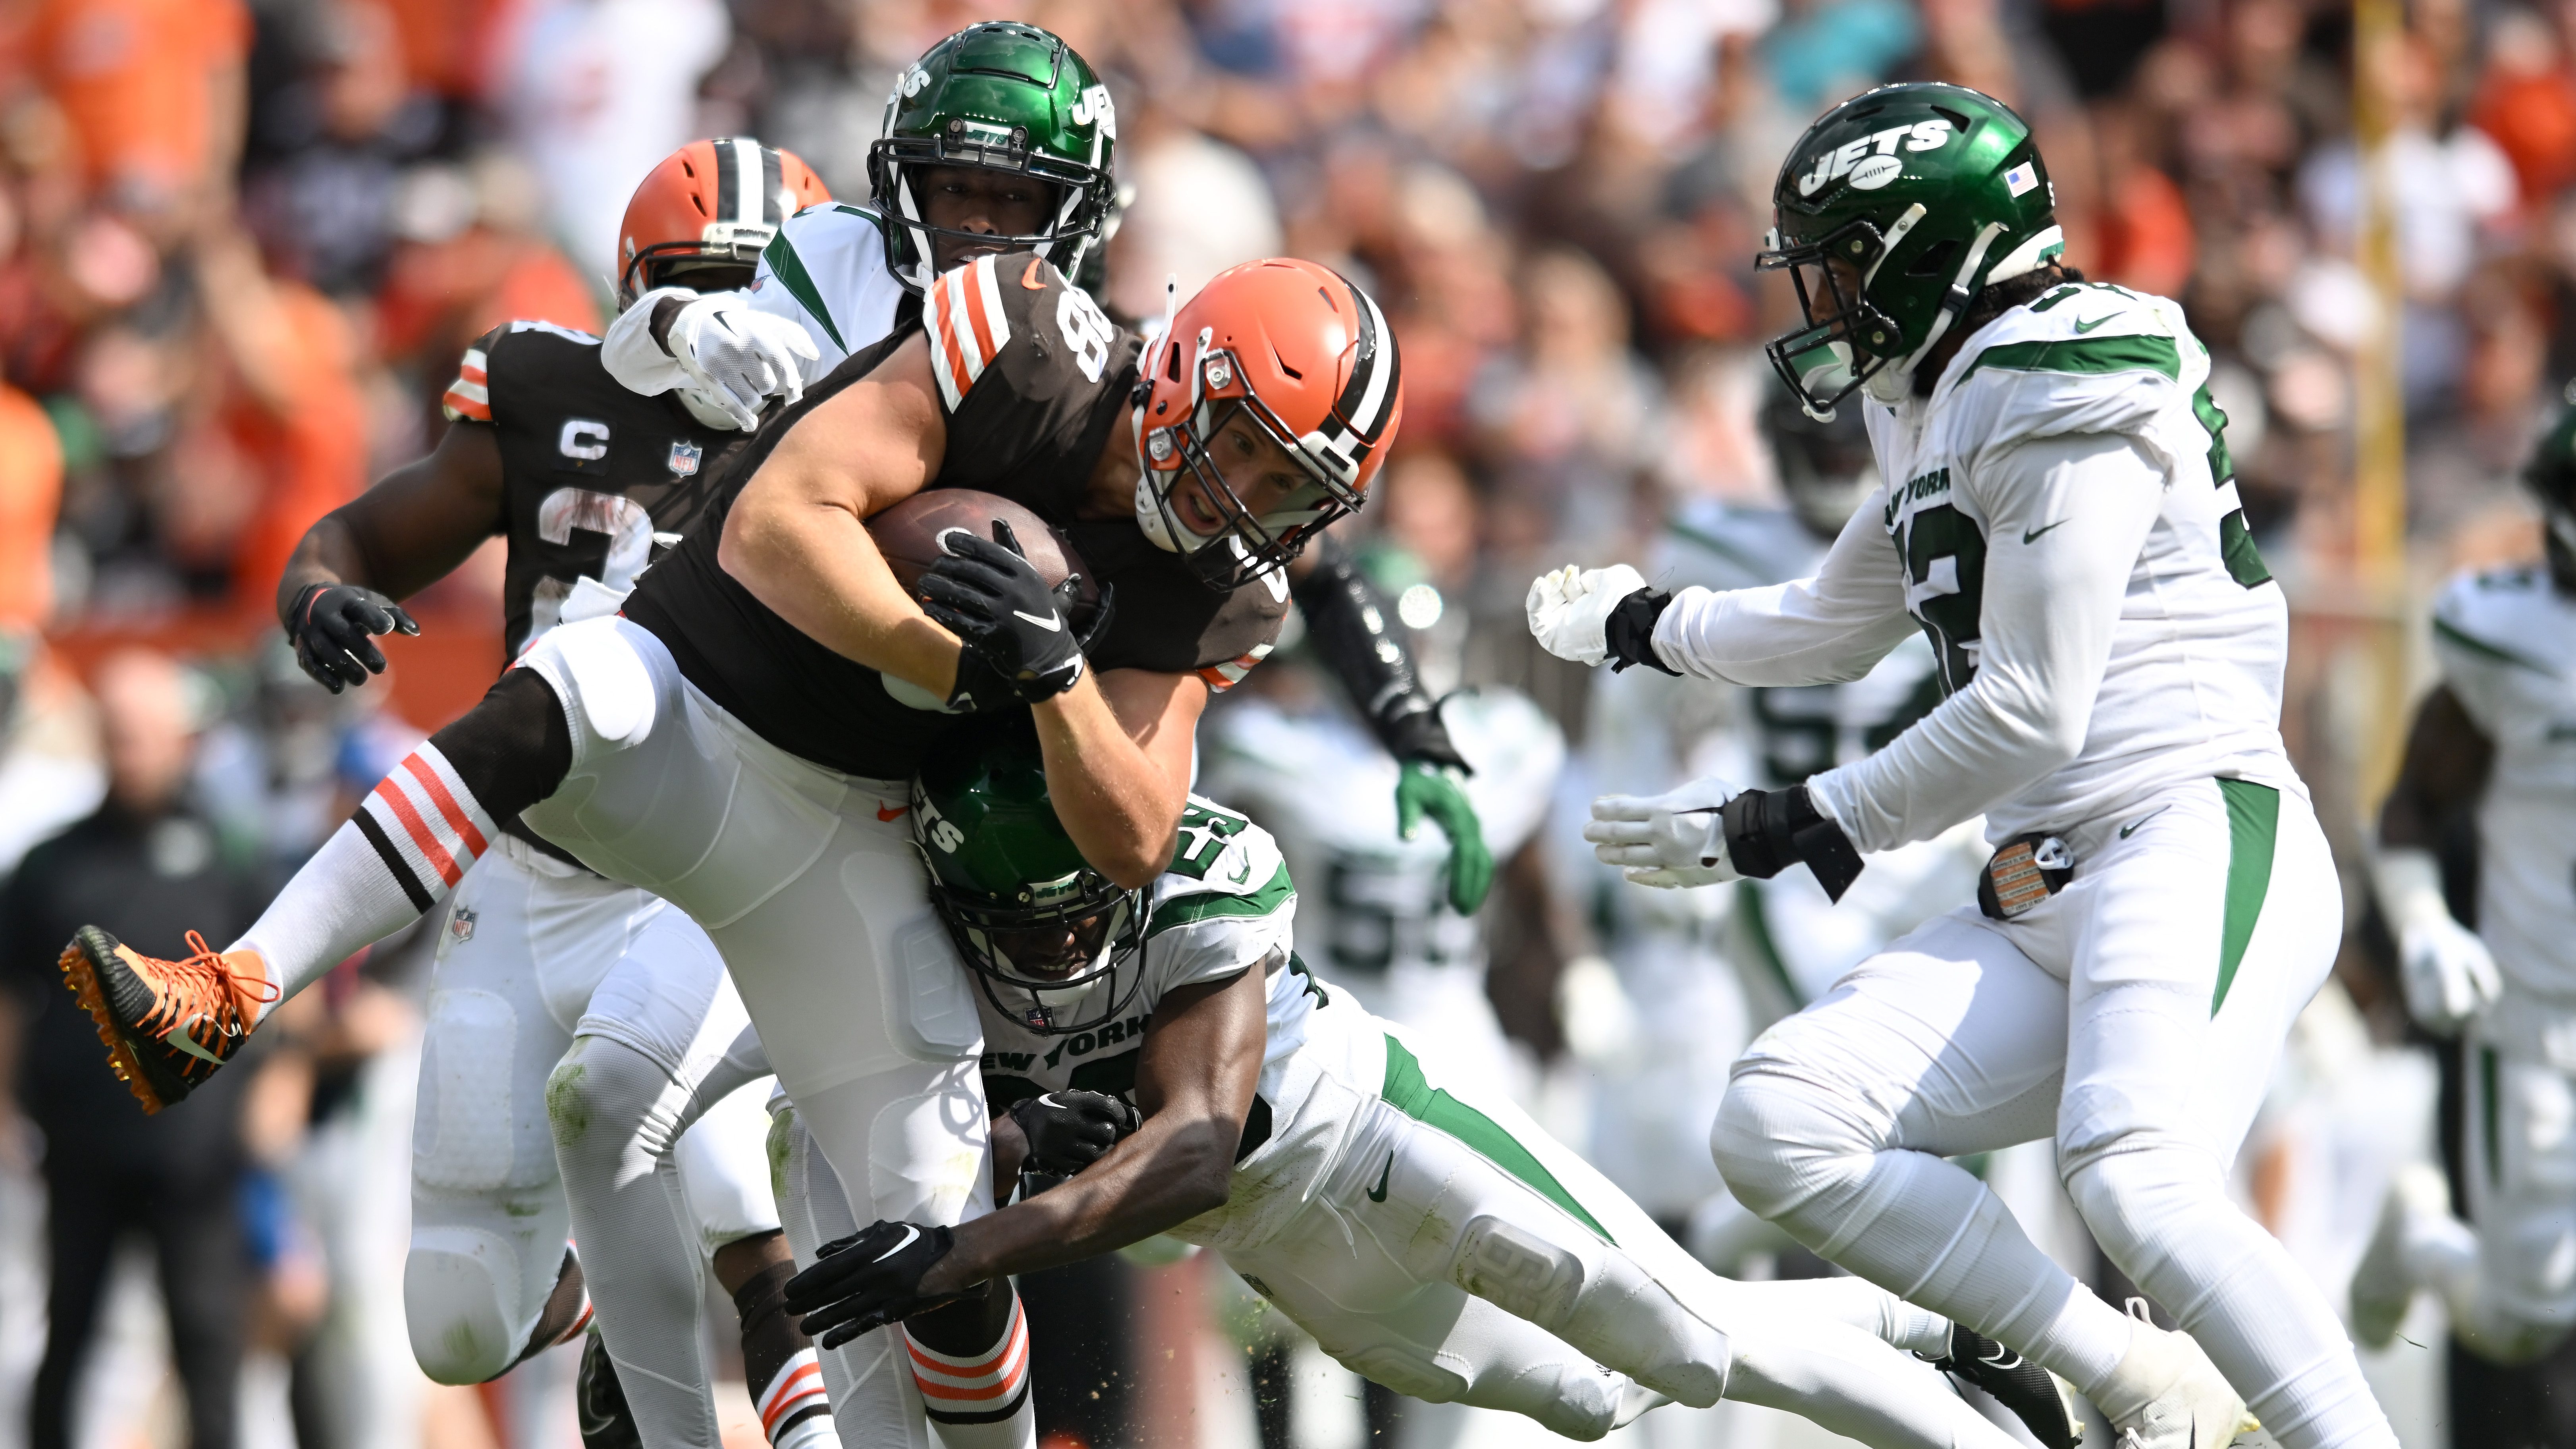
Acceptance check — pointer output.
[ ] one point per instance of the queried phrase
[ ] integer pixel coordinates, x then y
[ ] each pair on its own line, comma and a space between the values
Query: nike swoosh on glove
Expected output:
1069, 1130
1670, 840
869, 1279
1018, 642
740, 357
332, 628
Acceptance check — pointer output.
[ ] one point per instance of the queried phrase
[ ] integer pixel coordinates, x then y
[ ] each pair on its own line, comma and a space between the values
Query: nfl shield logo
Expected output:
684, 459
1040, 1018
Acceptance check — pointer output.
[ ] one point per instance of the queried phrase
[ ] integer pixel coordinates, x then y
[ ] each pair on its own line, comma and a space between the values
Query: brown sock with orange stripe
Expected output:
779, 1363
971, 1362
415, 834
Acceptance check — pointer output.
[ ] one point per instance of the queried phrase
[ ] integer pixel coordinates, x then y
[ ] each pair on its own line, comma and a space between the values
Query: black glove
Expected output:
870, 1279
1067, 1132
1015, 629
1630, 631
1349, 626
1767, 831
331, 627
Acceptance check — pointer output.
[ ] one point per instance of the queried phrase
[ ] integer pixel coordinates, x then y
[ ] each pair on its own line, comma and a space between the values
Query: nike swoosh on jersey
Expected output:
1378, 1193
2030, 535
889, 813
1030, 278
2084, 327
2143, 819
1050, 623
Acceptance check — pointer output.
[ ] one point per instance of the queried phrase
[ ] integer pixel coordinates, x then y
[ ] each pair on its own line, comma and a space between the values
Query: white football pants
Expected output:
536, 958
2519, 1300
2137, 1015
1453, 1251
805, 880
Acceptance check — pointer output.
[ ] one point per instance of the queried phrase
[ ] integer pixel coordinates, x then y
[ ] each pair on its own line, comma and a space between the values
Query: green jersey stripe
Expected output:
2253, 824
1407, 1092
2119, 353
789, 269
1201, 905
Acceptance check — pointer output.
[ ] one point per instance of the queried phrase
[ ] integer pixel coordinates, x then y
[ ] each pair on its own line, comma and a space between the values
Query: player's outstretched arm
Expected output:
2068, 516
1826, 629
1346, 620
409, 531
797, 539
1194, 1081
2446, 971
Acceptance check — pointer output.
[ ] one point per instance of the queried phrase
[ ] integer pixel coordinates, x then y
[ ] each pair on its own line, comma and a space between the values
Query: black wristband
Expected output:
1630, 631
1767, 831
1416, 735
666, 310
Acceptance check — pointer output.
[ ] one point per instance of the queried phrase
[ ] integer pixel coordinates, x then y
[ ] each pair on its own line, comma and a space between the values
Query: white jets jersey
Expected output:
2193, 686
2507, 645
1326, 788
1787, 941
1227, 905
826, 271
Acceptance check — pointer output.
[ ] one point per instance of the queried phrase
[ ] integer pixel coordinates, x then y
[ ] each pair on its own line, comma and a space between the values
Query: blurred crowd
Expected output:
243, 242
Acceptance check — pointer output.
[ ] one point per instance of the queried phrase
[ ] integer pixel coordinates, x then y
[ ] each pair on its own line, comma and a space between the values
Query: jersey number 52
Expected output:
1945, 585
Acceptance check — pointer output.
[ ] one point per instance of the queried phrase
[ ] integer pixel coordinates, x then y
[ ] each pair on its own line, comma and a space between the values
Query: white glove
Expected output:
740, 357
1569, 610
1670, 840
2448, 974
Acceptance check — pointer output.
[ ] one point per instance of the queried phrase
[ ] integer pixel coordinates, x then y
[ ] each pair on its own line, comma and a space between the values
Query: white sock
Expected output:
795, 1412
979, 1401
409, 843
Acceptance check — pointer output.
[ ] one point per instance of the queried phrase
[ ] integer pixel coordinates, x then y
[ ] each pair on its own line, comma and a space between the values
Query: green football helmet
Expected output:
1890, 214
2551, 477
1055, 945
1007, 96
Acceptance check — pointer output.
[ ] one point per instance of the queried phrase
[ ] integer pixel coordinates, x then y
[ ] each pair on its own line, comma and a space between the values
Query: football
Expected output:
909, 535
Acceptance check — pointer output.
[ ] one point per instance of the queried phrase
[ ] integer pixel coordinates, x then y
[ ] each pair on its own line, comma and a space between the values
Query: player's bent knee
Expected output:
603, 1092
1777, 1143
459, 1292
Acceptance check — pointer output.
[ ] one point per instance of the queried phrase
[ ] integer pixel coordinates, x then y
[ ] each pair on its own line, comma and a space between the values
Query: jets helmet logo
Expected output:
1870, 161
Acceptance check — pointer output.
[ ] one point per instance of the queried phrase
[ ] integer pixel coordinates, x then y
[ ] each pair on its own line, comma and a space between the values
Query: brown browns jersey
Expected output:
1033, 380
592, 475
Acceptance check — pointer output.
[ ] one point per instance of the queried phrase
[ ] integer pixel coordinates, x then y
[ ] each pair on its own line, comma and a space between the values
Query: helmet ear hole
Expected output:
1935, 258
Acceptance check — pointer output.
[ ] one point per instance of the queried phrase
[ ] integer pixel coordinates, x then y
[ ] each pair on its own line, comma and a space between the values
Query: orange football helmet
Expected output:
1308, 358
710, 204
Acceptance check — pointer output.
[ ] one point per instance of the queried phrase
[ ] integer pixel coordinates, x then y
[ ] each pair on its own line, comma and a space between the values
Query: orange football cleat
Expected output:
167, 1024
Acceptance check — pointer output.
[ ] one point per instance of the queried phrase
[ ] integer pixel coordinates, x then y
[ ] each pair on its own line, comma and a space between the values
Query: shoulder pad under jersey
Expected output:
2082, 358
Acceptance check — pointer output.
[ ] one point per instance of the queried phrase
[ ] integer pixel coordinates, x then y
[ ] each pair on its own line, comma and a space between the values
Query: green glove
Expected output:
1434, 790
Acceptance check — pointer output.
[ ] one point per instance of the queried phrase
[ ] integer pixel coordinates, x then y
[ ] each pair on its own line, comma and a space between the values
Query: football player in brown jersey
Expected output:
739, 739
